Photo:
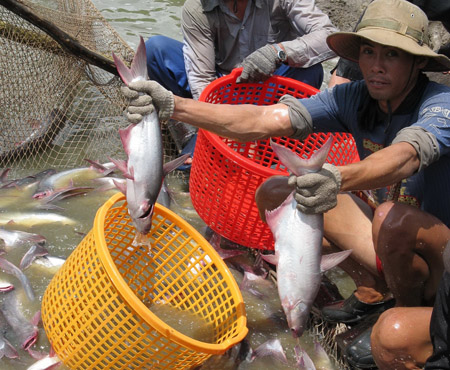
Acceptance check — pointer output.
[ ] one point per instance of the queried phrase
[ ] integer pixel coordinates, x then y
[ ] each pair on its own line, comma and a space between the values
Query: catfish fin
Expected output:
174, 164
122, 166
271, 348
125, 137
331, 260
270, 258
122, 186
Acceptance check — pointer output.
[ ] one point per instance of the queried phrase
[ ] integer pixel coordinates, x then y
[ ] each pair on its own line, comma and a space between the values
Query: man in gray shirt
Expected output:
264, 36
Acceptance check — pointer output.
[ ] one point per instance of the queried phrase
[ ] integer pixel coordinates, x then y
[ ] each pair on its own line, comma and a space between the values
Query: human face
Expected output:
390, 73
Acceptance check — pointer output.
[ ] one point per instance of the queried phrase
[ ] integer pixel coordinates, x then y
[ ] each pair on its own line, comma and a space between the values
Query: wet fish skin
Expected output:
142, 142
30, 219
298, 243
7, 349
5, 286
4, 175
273, 348
12, 269
143, 145
216, 240
34, 252
46, 363
15, 238
48, 264
29, 181
64, 180
25, 330
304, 362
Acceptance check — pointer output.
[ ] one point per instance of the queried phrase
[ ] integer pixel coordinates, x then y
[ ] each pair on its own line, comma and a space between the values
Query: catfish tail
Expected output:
138, 68
300, 166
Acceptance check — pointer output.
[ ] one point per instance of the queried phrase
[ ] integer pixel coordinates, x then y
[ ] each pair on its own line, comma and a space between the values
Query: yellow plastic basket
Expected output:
95, 310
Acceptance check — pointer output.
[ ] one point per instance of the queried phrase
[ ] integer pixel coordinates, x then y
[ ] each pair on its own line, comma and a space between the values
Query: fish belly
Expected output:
298, 244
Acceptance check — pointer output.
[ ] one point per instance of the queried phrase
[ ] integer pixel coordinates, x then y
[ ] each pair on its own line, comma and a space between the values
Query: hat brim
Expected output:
347, 44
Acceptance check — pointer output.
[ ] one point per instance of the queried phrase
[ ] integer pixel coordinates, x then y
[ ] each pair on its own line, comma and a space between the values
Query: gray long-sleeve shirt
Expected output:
214, 38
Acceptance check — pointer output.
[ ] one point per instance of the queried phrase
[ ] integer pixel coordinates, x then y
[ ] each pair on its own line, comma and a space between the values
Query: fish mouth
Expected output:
143, 223
297, 332
29, 341
147, 214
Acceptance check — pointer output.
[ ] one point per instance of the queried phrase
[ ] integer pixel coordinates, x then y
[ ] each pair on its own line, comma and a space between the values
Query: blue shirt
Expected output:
336, 110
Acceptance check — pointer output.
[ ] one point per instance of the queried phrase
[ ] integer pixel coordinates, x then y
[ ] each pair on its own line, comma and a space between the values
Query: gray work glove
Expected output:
317, 192
144, 97
259, 65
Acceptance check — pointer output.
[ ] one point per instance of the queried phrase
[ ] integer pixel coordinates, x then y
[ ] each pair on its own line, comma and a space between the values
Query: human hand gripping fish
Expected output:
298, 239
142, 141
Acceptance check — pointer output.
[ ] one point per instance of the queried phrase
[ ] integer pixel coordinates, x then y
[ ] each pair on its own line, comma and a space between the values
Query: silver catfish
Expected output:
298, 244
142, 142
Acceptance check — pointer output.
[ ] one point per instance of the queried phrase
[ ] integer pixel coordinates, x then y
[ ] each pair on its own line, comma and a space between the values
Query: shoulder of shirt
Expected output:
437, 88
208, 5
353, 86
193, 6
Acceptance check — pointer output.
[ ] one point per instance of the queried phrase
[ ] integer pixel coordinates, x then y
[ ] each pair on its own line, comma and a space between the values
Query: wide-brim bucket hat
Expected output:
396, 23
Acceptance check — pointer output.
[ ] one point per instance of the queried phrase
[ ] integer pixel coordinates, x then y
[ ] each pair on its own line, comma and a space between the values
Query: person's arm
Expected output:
382, 168
240, 122
313, 27
198, 47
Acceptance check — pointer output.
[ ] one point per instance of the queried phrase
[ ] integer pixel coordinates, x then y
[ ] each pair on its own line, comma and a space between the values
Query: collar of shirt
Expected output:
209, 5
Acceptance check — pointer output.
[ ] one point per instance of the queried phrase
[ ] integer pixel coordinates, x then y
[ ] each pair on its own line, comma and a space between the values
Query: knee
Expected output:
386, 329
381, 215
391, 229
387, 338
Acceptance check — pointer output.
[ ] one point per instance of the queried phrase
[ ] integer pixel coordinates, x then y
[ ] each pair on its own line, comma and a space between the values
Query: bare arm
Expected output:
383, 168
241, 122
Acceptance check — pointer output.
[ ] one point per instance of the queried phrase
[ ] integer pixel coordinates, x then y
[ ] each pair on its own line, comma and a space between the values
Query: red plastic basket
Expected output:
225, 173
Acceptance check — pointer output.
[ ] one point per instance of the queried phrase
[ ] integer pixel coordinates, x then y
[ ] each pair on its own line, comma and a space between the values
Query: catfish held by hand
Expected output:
298, 238
144, 170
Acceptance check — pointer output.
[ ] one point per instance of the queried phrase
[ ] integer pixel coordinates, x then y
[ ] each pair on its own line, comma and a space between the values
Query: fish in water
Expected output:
12, 269
47, 264
64, 180
30, 181
16, 238
46, 363
25, 330
6, 348
144, 170
304, 362
34, 252
30, 219
298, 241
4, 176
273, 348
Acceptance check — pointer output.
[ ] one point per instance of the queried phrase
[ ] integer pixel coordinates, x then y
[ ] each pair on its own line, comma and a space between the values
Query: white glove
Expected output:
317, 192
144, 97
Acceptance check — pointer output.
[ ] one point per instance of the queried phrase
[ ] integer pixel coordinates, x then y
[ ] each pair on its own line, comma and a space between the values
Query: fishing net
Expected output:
61, 100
